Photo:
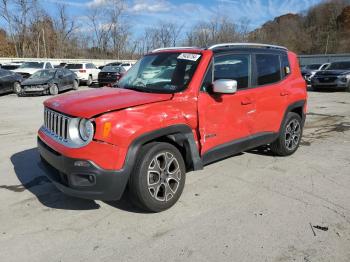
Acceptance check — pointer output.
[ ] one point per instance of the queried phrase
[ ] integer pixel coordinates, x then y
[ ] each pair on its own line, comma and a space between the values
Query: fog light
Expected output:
81, 163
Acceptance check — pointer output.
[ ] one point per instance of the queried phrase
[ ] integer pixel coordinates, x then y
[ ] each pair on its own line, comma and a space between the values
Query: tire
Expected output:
314, 88
89, 81
75, 85
17, 89
158, 178
290, 135
53, 89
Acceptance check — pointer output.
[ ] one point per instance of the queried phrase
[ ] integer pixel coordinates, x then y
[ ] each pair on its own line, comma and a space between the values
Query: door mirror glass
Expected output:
225, 86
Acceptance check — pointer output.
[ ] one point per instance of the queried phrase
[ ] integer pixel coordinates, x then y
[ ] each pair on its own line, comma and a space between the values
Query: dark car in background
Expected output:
110, 75
9, 81
50, 81
110, 64
337, 76
309, 71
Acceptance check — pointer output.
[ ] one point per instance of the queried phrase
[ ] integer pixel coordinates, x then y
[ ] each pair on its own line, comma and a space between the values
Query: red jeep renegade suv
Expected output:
175, 111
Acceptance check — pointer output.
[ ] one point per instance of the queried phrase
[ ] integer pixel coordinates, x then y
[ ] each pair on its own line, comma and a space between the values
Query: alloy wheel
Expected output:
163, 176
292, 134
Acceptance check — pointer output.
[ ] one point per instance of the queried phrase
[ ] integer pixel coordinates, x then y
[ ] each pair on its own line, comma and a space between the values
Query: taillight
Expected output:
82, 71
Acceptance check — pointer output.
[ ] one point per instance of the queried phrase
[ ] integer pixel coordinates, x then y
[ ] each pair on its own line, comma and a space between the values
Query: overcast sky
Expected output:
143, 13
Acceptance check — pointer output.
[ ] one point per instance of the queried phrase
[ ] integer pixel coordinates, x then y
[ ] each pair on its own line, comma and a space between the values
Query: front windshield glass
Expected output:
339, 66
114, 69
32, 65
44, 74
161, 73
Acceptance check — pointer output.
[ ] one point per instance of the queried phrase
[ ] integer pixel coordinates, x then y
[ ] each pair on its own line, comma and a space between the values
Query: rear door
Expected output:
271, 91
226, 118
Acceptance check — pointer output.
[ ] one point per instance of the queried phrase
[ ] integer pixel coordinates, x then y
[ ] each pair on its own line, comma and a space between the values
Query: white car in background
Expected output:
28, 68
86, 72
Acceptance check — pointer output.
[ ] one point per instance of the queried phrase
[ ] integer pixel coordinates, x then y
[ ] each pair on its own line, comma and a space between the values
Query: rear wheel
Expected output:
158, 178
53, 89
17, 89
290, 135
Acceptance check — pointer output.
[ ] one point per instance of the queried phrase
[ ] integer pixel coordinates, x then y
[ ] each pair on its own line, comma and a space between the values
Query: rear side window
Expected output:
268, 69
74, 66
234, 67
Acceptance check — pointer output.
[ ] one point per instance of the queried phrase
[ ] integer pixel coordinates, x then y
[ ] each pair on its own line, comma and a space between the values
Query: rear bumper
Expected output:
82, 178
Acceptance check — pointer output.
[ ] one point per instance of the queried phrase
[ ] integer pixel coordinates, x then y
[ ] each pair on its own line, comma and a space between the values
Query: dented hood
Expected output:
90, 103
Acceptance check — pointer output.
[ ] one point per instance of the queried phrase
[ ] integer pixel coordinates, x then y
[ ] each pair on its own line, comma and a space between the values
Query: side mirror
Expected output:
60, 76
225, 86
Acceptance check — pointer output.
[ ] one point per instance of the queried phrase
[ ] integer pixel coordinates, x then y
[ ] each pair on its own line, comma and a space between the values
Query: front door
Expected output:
226, 118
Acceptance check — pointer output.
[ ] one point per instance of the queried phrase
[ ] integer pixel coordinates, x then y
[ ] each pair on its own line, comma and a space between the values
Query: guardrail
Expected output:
56, 61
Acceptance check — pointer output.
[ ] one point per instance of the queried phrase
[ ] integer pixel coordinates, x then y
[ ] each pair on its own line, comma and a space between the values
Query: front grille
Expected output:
56, 124
327, 79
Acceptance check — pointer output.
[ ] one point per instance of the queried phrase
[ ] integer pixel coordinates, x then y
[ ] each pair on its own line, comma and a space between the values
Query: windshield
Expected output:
114, 69
74, 66
32, 65
339, 66
43, 74
161, 73
313, 67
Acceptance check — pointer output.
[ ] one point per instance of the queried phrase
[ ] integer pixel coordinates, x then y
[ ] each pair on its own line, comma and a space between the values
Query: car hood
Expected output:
39, 81
90, 103
26, 70
333, 72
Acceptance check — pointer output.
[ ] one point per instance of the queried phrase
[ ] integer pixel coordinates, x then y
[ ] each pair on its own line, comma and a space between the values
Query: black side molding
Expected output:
237, 146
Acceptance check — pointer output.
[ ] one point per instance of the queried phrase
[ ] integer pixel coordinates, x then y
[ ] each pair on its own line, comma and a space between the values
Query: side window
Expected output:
268, 69
208, 79
48, 66
285, 65
233, 66
92, 66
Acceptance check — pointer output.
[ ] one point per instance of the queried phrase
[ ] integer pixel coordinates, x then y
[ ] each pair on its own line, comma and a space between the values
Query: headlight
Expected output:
86, 129
81, 131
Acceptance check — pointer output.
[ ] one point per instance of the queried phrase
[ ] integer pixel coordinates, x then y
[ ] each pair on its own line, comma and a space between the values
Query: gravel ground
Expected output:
251, 207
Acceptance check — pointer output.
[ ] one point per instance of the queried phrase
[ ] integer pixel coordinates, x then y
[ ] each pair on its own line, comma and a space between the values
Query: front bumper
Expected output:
87, 181
336, 84
35, 89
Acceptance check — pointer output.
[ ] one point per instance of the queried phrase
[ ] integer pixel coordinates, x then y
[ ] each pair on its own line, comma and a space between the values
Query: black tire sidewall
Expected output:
138, 180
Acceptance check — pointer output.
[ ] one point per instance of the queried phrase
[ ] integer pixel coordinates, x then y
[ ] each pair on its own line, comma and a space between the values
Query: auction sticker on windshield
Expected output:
189, 56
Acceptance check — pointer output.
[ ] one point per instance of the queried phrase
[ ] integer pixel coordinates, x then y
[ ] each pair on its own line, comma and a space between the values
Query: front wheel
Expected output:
17, 89
158, 177
53, 89
289, 138
75, 85
89, 81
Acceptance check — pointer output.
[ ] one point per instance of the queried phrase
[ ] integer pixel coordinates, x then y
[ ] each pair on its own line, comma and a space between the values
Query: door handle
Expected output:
284, 93
246, 101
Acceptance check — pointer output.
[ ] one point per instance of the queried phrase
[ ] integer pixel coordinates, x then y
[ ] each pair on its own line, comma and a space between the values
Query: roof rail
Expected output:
174, 48
247, 45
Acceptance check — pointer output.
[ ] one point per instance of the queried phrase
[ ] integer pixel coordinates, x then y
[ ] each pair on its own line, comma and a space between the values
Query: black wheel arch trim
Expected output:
180, 134
298, 104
